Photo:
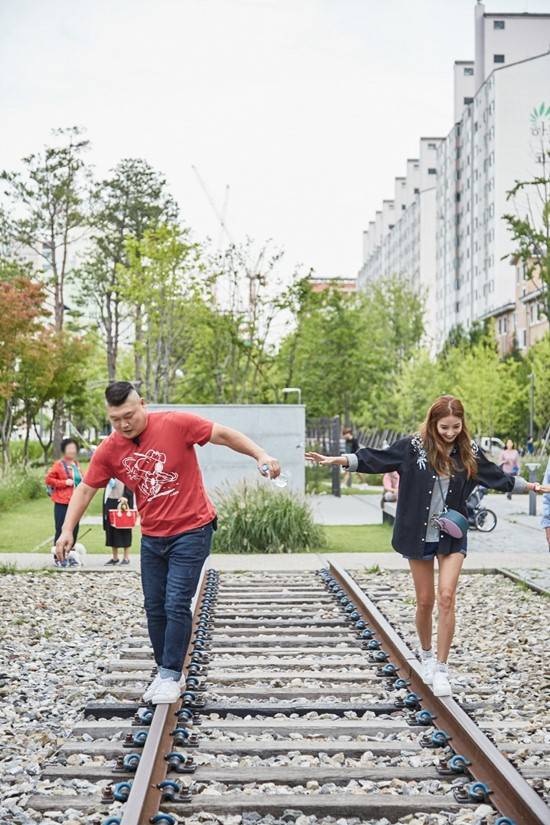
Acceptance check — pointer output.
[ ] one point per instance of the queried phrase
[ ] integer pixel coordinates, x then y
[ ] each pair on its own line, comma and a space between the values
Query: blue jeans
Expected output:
431, 547
170, 572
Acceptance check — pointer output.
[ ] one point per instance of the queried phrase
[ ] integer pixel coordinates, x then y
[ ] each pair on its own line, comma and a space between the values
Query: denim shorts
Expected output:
431, 548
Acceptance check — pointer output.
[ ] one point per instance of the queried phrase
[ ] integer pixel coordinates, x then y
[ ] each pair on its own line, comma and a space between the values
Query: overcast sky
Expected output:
306, 108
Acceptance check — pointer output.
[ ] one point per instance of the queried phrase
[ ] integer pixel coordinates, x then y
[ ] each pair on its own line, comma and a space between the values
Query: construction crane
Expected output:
220, 215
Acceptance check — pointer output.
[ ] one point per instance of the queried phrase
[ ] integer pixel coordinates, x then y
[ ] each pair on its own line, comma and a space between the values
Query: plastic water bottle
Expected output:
281, 480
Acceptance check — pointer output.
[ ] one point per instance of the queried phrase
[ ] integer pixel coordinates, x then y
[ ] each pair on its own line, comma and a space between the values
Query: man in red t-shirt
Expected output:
154, 455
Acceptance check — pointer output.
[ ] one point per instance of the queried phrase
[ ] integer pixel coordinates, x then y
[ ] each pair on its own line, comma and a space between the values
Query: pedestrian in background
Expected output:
351, 446
117, 538
509, 461
530, 446
546, 504
390, 482
62, 479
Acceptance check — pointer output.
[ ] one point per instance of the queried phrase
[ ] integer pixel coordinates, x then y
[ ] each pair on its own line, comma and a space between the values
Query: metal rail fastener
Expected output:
511, 794
145, 796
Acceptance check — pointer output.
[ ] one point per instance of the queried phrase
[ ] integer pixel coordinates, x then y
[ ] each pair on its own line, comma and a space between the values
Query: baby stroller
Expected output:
480, 517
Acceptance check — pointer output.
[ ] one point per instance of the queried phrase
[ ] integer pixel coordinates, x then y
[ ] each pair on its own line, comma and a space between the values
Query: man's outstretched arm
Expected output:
78, 505
227, 437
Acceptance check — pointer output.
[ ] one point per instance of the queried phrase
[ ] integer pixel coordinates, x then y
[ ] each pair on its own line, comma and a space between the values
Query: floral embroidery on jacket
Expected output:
475, 448
420, 450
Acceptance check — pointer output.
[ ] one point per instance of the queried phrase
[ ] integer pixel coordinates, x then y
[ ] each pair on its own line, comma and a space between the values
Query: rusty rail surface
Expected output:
510, 792
144, 799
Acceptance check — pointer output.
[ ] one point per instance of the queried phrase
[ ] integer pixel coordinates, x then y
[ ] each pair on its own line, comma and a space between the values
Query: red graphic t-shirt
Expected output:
162, 471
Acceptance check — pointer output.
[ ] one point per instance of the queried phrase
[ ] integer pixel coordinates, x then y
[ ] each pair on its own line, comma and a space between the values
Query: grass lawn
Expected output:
358, 538
326, 487
31, 522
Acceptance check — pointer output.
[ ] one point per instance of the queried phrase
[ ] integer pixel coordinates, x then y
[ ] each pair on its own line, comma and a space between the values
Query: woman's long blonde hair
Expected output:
436, 449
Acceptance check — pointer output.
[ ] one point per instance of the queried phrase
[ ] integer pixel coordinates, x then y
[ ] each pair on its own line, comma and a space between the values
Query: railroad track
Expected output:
301, 700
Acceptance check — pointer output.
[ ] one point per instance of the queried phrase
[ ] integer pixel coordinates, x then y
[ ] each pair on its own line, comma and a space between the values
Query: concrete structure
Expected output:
279, 428
522, 323
401, 239
495, 143
445, 234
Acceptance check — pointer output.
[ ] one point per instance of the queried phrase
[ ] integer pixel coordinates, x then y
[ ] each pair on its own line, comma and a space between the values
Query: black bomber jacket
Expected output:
416, 481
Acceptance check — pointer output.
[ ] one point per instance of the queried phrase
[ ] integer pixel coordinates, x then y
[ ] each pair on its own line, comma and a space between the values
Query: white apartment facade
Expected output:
495, 141
401, 239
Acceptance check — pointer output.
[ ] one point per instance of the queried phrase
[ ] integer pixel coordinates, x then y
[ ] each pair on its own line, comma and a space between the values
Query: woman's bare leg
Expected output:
449, 571
423, 576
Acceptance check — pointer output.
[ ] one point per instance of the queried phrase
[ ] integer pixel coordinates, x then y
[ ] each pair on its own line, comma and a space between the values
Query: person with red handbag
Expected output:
118, 536
62, 479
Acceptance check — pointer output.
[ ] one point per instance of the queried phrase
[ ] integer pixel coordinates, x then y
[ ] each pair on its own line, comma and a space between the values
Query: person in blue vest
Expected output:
546, 505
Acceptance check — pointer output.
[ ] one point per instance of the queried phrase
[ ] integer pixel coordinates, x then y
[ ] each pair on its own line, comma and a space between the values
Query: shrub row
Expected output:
261, 519
18, 485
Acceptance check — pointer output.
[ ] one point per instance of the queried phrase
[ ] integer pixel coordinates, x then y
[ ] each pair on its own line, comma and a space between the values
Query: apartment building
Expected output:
401, 238
500, 132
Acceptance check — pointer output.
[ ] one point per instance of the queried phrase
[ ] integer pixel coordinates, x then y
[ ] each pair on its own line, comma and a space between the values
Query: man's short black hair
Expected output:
65, 443
117, 392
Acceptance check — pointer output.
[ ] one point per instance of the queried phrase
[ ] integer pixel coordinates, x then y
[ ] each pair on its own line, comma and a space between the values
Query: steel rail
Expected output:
510, 793
509, 574
145, 797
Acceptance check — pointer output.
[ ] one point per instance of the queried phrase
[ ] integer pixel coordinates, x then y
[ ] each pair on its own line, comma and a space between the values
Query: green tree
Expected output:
529, 224
418, 383
327, 354
538, 361
490, 388
162, 267
52, 372
124, 206
47, 215
22, 302
394, 319
346, 349
249, 292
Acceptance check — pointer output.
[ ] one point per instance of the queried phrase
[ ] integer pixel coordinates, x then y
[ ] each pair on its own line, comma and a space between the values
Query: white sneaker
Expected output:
151, 689
166, 692
427, 668
441, 683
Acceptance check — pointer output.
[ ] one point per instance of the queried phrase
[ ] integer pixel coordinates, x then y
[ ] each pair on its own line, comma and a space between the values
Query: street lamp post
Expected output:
297, 390
532, 496
531, 404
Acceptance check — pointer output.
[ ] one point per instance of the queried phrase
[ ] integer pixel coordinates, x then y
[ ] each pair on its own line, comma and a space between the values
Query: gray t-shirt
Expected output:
439, 494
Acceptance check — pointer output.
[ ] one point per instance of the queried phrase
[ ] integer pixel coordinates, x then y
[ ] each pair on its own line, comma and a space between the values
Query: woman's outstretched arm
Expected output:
490, 475
367, 460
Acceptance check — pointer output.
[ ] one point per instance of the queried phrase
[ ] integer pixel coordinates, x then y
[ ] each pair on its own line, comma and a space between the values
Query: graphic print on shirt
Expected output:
148, 469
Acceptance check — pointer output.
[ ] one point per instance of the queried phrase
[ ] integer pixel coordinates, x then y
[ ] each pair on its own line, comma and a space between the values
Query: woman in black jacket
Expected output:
438, 468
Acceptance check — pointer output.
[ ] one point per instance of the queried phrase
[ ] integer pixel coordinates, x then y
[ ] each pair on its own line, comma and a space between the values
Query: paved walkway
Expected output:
516, 531
360, 509
538, 564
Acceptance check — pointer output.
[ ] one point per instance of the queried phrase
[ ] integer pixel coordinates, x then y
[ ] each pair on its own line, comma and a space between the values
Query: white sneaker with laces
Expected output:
427, 667
151, 689
441, 683
167, 691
